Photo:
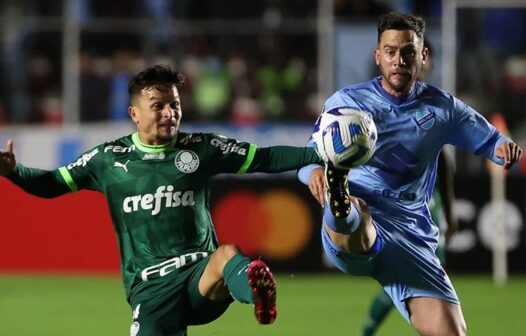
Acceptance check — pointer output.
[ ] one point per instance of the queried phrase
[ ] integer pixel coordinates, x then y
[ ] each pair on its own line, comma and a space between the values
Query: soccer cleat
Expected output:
263, 286
337, 190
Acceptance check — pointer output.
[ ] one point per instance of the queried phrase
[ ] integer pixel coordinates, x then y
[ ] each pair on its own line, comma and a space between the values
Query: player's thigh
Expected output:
435, 317
160, 307
409, 269
203, 310
163, 306
347, 262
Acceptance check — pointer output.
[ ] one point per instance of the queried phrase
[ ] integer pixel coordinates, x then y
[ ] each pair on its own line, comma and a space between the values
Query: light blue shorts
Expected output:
405, 267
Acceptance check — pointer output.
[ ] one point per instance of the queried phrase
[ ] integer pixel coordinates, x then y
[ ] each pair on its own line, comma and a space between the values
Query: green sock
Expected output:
236, 278
378, 311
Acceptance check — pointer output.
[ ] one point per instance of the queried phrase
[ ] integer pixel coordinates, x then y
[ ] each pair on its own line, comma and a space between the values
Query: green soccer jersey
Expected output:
159, 197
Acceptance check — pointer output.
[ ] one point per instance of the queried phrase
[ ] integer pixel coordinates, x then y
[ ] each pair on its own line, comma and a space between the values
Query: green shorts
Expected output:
166, 306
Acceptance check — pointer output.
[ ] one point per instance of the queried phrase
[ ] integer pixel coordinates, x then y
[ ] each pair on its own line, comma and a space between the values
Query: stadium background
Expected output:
257, 73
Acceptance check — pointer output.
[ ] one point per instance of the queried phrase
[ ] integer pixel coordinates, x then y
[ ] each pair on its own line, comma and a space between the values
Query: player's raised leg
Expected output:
347, 220
230, 274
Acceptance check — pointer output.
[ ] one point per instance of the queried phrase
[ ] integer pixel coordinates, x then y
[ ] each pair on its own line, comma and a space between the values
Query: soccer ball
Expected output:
345, 137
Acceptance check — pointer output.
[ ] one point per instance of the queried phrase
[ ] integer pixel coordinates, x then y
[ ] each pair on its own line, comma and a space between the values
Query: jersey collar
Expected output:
151, 148
395, 100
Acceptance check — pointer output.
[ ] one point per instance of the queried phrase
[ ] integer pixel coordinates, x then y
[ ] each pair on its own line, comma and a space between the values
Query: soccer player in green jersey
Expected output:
157, 185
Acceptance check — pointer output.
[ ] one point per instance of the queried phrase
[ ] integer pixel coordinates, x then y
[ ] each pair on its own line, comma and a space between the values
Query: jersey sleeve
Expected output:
305, 171
472, 132
82, 173
228, 155
339, 100
38, 182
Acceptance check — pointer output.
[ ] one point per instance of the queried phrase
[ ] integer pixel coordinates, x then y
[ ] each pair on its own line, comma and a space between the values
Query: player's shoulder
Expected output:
186, 139
212, 143
201, 138
426, 90
356, 90
123, 144
443, 102
98, 153
119, 145
353, 96
200, 141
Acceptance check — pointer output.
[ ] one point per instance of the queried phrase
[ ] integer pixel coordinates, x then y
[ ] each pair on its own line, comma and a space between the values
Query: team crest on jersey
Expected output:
187, 161
426, 119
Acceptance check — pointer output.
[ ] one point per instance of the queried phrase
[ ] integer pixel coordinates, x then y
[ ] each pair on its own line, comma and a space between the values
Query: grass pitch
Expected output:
308, 305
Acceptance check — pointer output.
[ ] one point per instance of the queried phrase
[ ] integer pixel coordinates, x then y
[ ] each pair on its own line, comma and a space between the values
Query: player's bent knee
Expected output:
212, 279
227, 251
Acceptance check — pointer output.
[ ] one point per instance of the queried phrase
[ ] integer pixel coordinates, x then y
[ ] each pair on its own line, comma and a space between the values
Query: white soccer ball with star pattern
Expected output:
345, 137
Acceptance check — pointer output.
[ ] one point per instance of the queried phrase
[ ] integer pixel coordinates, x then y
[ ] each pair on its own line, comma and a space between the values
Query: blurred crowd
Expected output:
256, 73
243, 62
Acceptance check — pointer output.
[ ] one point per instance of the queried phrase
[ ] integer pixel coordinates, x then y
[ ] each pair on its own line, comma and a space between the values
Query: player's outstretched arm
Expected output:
509, 152
7, 159
38, 182
278, 159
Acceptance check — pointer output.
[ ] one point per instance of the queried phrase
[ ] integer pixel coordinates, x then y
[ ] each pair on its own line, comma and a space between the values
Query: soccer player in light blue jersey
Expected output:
384, 230
441, 209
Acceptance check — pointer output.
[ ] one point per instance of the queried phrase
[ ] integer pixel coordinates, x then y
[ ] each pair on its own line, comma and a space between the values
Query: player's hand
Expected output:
317, 185
7, 159
510, 152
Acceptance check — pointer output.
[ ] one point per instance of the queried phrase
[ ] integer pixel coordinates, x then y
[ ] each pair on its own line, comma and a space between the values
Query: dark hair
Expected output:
155, 75
401, 21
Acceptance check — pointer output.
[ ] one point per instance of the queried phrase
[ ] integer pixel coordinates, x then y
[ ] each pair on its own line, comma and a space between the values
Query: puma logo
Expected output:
121, 165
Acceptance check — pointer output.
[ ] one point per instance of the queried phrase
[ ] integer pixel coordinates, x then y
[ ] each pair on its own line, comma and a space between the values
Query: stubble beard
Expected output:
167, 137
401, 86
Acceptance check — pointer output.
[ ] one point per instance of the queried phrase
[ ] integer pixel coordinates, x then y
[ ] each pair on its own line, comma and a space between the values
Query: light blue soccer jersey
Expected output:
397, 182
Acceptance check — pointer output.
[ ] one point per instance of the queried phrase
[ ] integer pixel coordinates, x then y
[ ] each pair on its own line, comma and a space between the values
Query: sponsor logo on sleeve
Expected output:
228, 147
83, 160
190, 138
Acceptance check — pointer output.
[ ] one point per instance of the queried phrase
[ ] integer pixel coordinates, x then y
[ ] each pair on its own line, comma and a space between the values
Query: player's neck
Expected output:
397, 94
145, 141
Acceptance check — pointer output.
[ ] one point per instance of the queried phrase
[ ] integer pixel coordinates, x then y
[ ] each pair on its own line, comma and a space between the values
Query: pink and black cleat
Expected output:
263, 286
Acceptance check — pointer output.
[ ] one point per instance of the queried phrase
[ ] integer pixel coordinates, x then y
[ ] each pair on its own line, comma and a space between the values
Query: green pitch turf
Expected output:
309, 305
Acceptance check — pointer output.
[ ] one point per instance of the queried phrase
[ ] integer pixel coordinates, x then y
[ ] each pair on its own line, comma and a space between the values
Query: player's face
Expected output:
157, 113
400, 56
